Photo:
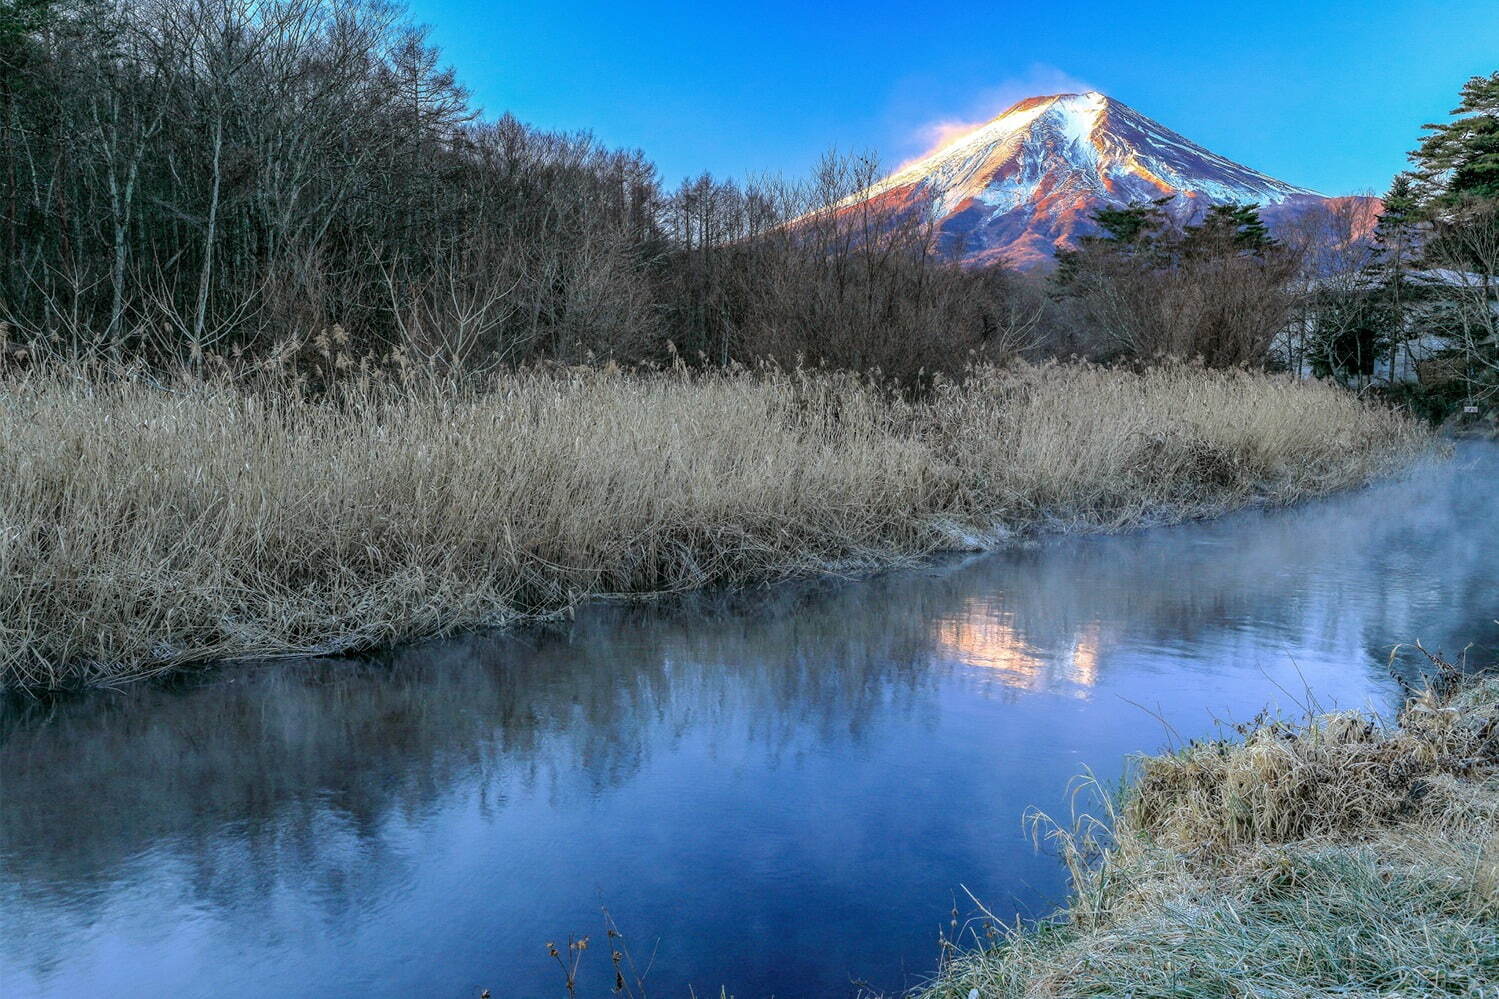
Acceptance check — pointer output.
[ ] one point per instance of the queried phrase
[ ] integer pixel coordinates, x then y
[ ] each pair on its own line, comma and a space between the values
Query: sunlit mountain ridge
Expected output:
1029, 181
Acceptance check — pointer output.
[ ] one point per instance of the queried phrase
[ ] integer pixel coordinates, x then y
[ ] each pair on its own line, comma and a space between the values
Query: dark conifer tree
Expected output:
1457, 201
1459, 159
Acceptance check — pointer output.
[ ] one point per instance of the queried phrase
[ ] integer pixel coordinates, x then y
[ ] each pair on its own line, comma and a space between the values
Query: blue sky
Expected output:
1326, 95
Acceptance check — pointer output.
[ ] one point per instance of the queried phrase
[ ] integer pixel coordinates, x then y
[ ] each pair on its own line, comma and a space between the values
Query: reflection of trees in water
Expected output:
283, 761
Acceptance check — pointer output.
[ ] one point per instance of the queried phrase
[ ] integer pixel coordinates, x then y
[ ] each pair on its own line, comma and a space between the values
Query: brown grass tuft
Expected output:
1342, 855
1333, 775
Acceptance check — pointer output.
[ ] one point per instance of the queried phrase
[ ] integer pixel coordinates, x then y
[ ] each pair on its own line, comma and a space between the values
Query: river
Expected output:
784, 791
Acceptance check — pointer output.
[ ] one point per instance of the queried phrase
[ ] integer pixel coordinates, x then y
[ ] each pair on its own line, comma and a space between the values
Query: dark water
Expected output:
778, 792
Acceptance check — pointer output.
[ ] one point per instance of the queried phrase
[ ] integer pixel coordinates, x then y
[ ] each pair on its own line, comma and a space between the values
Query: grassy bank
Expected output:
146, 525
1340, 856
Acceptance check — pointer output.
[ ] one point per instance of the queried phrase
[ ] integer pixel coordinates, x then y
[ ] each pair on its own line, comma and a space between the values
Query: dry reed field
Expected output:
1341, 855
148, 524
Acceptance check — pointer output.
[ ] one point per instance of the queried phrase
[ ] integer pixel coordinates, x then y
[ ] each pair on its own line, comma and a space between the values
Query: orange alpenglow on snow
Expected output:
1016, 188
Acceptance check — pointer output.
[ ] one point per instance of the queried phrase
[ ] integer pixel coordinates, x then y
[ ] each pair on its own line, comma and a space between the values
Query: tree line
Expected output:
223, 177
191, 176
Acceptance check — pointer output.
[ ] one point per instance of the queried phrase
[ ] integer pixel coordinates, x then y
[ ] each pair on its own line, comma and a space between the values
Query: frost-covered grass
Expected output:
1340, 856
146, 525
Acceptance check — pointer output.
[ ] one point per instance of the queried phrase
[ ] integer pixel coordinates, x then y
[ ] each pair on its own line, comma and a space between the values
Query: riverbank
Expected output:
1340, 855
147, 525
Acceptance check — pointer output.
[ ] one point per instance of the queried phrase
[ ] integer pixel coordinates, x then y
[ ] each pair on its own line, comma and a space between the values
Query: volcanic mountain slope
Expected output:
1030, 180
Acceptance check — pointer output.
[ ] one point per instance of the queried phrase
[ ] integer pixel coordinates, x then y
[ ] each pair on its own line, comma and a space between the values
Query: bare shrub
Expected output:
1465, 246
1219, 291
817, 273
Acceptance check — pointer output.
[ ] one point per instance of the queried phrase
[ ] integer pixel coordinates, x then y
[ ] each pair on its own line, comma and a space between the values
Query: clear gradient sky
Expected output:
1326, 95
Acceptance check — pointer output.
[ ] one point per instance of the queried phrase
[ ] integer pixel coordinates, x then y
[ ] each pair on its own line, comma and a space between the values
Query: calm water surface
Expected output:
782, 792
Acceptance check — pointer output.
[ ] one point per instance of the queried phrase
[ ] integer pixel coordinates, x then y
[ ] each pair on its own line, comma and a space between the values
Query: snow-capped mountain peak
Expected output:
1031, 178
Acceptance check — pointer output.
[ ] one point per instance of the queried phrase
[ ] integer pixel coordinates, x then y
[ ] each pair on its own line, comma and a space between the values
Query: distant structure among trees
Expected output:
1420, 305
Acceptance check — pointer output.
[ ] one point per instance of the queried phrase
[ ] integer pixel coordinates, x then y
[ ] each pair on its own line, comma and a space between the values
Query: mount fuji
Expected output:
1028, 182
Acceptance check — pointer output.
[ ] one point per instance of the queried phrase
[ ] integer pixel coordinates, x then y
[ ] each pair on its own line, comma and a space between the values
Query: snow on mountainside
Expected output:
1031, 179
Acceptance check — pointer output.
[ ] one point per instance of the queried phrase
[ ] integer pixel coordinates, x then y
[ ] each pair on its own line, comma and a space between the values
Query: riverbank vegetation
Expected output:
148, 522
299, 352
1342, 855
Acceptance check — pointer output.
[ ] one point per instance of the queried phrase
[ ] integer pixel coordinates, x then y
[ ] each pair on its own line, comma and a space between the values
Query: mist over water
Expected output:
781, 791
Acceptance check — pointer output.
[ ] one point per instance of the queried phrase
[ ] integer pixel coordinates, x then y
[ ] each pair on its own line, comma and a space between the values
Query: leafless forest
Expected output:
190, 178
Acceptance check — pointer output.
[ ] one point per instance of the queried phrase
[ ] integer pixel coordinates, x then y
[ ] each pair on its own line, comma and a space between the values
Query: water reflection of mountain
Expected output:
1415, 558
985, 635
254, 784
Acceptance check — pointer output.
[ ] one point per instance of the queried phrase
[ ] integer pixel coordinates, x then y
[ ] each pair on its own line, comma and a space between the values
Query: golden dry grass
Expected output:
1341, 855
1335, 775
147, 525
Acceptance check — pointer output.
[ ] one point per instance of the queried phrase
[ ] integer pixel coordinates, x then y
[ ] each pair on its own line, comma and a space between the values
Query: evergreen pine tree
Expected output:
1397, 251
1239, 226
1139, 229
1459, 160
1457, 166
